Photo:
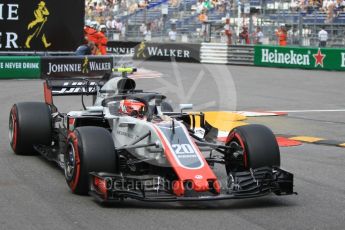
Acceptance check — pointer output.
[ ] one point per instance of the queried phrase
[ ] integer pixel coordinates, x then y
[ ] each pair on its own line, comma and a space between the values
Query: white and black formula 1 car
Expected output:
130, 144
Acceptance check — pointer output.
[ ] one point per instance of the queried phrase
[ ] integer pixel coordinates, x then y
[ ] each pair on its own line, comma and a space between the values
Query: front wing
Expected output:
107, 187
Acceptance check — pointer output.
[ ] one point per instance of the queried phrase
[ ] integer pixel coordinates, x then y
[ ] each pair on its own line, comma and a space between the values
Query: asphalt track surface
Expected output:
33, 193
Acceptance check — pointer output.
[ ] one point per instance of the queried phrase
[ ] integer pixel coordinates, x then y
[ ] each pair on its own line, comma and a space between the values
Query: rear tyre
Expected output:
30, 123
90, 149
255, 146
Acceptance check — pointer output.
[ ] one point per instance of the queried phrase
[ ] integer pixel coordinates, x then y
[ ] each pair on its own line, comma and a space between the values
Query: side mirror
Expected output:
185, 106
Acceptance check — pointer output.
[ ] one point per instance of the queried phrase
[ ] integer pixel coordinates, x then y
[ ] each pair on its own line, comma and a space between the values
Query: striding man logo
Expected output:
36, 27
141, 50
85, 68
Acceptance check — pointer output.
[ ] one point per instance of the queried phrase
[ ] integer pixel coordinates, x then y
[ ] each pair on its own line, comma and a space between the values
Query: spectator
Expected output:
174, 3
281, 34
244, 36
323, 37
203, 19
143, 29
172, 35
101, 40
109, 23
228, 32
208, 4
258, 36
203, 16
199, 7
117, 25
123, 31
147, 33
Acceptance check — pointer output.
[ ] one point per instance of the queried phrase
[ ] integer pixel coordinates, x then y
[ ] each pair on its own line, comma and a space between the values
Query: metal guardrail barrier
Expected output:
36, 53
219, 53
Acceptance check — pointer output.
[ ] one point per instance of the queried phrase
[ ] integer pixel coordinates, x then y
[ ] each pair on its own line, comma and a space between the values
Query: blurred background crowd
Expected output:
206, 20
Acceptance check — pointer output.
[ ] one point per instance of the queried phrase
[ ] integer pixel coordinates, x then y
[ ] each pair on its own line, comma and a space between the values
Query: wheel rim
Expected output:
238, 144
70, 162
12, 131
238, 147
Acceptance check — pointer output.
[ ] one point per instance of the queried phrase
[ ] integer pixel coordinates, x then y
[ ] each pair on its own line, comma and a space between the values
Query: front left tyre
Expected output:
30, 124
90, 149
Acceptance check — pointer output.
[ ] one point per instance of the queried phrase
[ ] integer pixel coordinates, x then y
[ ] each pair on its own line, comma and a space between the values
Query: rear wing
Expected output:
72, 87
76, 85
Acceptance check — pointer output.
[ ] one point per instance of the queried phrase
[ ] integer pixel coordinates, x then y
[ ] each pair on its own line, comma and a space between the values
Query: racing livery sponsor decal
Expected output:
182, 148
20, 67
41, 25
73, 87
121, 48
76, 66
156, 51
292, 57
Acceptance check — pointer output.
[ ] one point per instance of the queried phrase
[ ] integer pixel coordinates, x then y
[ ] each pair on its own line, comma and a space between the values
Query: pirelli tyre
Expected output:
90, 149
30, 124
255, 146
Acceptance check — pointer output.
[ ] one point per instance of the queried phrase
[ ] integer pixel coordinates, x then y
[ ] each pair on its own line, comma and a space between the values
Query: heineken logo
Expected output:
292, 57
300, 57
319, 58
284, 58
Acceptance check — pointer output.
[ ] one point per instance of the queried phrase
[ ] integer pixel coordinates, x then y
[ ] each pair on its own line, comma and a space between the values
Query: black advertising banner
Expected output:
41, 25
179, 52
75, 66
121, 48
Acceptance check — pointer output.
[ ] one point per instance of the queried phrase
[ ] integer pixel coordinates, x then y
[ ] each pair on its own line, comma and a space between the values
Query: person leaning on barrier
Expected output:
86, 49
323, 37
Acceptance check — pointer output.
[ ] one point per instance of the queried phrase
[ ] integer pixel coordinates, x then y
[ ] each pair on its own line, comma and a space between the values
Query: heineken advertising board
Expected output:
298, 57
41, 25
20, 67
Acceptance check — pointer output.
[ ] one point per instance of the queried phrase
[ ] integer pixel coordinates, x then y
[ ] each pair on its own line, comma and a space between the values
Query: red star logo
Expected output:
319, 58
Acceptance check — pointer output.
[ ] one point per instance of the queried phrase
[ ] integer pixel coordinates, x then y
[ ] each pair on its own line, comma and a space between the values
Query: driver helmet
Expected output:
132, 108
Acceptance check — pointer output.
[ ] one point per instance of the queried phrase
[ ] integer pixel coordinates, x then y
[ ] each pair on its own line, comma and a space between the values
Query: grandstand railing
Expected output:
303, 25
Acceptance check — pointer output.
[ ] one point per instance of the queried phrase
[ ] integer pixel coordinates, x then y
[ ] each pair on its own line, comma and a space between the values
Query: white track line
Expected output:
309, 111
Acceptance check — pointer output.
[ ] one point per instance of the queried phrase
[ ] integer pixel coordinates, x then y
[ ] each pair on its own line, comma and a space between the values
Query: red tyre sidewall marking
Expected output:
15, 128
73, 184
239, 138
234, 135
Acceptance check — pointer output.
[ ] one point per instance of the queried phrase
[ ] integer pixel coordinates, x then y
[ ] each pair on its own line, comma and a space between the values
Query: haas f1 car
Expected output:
131, 144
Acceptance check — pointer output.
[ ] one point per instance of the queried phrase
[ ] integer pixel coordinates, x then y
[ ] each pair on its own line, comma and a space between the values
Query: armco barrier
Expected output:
219, 53
298, 57
30, 67
24, 67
